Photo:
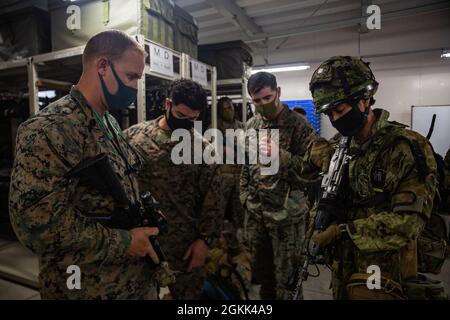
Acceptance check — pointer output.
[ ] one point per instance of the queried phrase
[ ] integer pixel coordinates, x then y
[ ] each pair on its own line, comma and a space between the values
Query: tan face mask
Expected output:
269, 109
228, 114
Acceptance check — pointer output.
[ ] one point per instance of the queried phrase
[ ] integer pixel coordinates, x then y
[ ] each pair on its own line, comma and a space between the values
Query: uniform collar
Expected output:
278, 121
378, 127
90, 115
163, 135
85, 108
382, 117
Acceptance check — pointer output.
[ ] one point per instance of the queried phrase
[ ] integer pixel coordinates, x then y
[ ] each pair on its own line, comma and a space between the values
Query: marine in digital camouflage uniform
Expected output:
230, 172
51, 215
230, 256
189, 194
276, 207
58, 218
390, 184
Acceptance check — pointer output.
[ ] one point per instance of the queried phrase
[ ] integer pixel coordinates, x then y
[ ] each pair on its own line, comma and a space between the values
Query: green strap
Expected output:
113, 122
103, 126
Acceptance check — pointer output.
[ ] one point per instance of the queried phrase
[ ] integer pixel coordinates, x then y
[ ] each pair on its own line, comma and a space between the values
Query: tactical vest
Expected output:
368, 181
368, 178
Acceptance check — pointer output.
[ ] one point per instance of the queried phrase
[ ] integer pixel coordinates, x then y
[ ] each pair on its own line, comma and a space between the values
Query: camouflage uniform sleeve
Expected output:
244, 179
244, 184
446, 187
411, 194
212, 207
40, 207
317, 158
447, 159
291, 160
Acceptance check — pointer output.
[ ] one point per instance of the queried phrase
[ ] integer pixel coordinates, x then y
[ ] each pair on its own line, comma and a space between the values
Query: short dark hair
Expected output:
222, 101
260, 80
220, 105
111, 44
190, 93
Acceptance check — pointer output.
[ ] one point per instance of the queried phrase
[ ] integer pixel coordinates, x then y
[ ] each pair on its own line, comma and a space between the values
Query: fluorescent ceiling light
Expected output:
445, 54
285, 68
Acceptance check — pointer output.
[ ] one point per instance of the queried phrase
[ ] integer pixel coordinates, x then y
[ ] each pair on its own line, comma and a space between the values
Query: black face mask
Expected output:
177, 123
124, 96
352, 122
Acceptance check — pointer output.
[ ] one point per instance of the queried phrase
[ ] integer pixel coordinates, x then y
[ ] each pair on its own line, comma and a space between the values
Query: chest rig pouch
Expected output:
432, 243
367, 176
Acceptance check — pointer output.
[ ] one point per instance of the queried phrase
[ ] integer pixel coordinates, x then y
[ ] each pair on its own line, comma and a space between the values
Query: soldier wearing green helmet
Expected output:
389, 188
342, 80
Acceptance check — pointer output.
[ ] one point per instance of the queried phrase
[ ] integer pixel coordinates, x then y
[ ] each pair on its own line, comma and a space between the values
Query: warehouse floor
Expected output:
18, 264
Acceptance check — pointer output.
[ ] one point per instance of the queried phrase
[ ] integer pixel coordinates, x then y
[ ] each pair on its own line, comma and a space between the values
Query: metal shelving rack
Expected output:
236, 89
211, 85
56, 75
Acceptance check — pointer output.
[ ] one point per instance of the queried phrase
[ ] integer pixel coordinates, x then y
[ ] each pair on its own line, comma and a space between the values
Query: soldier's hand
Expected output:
267, 146
140, 243
326, 237
197, 251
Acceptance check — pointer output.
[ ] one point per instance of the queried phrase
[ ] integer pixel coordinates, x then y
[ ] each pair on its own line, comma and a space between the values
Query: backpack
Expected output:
433, 244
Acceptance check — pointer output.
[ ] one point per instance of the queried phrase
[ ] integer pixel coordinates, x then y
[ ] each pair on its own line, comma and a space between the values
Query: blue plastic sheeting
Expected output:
308, 105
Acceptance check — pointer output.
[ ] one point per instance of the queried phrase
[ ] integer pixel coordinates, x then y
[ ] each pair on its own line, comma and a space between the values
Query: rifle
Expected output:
98, 173
329, 196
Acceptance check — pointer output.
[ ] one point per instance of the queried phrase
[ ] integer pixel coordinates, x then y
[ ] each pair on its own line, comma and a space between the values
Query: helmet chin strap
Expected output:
355, 105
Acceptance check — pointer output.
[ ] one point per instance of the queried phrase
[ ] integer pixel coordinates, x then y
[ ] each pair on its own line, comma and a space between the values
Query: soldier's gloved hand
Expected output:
197, 252
140, 243
326, 237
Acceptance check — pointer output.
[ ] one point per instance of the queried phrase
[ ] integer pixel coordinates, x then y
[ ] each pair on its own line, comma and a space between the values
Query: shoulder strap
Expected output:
399, 134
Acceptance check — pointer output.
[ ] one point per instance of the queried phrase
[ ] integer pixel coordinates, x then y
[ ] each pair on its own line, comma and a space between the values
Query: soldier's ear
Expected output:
363, 104
101, 64
168, 104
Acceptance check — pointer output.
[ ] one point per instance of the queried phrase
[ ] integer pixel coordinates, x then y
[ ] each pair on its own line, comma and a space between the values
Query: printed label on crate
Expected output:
161, 60
199, 73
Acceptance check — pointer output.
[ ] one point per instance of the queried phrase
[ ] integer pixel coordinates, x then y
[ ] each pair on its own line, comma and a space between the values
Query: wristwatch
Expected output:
206, 239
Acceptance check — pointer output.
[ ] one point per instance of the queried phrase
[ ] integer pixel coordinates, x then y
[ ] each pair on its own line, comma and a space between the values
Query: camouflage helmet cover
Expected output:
341, 78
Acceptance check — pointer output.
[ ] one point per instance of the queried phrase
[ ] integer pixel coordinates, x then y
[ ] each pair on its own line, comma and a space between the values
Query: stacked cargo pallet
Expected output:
233, 61
30, 27
158, 20
24, 29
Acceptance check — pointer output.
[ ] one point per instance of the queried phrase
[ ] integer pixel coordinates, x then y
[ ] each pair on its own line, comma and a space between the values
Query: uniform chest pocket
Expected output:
368, 180
294, 210
285, 137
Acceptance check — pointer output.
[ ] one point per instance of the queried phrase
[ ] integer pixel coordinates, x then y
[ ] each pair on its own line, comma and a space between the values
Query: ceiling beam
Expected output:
203, 12
187, 3
391, 15
230, 10
218, 31
306, 13
276, 7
